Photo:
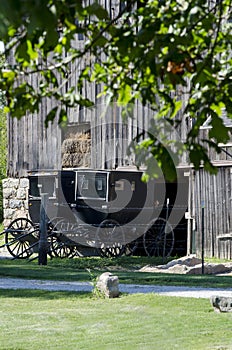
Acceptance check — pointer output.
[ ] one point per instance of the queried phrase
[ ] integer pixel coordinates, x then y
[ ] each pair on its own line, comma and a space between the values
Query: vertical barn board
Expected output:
75, 69
221, 202
15, 146
110, 152
230, 198
210, 217
30, 140
43, 144
199, 191
216, 191
93, 142
20, 124
206, 213
103, 138
25, 144
9, 147
215, 206
226, 199
196, 189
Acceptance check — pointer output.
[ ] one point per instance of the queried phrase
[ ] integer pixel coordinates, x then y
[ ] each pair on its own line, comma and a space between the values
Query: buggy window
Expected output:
91, 186
40, 185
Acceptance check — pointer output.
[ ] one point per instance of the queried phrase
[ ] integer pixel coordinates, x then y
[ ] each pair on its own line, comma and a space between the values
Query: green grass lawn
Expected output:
35, 320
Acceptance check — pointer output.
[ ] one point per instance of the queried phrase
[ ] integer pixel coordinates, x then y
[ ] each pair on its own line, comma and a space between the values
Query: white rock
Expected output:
108, 285
15, 203
24, 183
21, 193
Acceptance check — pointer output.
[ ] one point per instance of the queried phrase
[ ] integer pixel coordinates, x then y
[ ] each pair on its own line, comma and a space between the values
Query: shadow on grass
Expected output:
86, 269
22, 269
43, 294
167, 279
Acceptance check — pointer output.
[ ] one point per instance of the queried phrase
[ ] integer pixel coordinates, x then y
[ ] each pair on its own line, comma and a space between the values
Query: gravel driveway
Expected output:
178, 291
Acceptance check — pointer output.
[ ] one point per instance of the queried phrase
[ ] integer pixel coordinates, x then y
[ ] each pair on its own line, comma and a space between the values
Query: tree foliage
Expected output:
148, 50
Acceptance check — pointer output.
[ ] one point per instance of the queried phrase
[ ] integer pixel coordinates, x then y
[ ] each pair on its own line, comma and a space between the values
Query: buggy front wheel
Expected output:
19, 237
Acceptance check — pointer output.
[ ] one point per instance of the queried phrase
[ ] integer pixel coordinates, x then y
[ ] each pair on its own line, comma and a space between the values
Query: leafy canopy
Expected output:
173, 55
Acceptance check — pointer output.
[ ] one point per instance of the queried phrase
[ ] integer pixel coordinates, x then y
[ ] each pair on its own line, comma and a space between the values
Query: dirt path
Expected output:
178, 291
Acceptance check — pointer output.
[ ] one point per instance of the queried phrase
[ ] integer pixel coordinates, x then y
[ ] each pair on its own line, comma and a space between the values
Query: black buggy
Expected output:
101, 212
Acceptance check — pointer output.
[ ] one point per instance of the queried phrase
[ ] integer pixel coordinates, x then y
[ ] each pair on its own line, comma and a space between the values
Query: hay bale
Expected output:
77, 159
79, 136
81, 160
67, 160
85, 146
75, 145
68, 146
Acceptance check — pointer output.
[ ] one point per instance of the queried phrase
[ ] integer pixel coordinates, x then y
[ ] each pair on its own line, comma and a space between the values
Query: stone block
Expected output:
108, 285
21, 193
9, 192
20, 214
5, 203
13, 183
5, 183
8, 214
24, 183
221, 303
15, 204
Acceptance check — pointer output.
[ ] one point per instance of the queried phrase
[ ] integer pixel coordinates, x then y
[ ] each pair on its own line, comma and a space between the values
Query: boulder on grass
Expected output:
108, 284
221, 304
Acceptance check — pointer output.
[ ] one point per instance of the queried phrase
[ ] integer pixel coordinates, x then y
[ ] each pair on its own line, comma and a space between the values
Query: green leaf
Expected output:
98, 11
51, 116
63, 118
219, 131
21, 52
9, 75
124, 94
31, 52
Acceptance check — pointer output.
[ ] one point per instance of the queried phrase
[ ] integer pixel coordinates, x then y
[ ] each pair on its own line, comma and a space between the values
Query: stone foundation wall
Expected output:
15, 199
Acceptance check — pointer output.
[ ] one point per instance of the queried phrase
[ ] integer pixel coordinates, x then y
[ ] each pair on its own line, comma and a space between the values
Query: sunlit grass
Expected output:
57, 320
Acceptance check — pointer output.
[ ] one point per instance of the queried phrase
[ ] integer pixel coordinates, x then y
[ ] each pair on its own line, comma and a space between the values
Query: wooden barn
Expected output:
210, 203
99, 138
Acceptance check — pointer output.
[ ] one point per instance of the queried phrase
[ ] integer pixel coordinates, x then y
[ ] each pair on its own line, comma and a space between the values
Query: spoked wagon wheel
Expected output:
19, 237
61, 246
158, 240
131, 247
110, 239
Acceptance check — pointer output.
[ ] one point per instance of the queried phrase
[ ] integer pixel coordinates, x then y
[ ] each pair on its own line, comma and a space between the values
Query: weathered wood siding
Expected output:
214, 193
32, 146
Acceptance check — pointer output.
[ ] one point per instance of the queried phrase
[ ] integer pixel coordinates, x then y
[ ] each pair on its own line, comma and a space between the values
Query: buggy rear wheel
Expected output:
158, 240
110, 239
19, 237
131, 247
60, 245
